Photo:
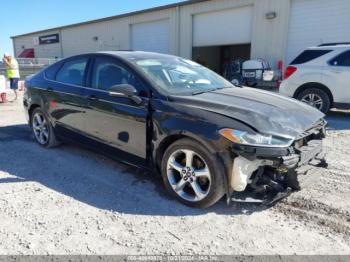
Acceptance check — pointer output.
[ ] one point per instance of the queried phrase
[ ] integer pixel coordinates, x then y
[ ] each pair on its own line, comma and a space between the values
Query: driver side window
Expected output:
107, 73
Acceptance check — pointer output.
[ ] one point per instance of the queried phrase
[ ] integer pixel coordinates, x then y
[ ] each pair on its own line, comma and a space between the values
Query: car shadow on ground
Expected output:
338, 120
93, 179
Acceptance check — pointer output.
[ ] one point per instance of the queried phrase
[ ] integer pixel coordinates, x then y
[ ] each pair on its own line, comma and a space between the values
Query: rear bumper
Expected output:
288, 88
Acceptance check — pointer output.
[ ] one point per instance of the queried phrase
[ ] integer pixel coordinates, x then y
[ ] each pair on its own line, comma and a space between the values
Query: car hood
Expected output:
266, 112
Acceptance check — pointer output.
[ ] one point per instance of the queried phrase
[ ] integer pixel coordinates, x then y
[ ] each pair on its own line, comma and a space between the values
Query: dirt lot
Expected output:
71, 201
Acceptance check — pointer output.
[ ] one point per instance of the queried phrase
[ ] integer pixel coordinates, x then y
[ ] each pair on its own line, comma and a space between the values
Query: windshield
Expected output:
180, 76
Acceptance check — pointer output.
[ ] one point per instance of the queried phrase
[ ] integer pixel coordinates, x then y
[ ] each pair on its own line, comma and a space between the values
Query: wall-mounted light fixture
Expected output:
271, 15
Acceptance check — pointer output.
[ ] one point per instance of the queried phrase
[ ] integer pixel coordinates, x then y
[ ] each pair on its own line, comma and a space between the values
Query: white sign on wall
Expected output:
36, 40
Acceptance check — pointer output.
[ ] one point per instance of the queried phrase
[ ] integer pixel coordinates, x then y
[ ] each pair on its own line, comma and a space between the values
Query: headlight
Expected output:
245, 138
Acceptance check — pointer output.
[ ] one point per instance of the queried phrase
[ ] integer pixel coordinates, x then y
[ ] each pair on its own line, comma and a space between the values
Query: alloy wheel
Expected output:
40, 128
313, 100
188, 175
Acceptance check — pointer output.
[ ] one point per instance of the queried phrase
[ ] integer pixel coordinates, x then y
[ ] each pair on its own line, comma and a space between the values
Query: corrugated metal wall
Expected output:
315, 22
41, 51
186, 19
268, 36
112, 35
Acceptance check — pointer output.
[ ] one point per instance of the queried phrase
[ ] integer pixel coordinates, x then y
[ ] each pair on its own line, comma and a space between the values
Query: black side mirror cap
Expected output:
125, 90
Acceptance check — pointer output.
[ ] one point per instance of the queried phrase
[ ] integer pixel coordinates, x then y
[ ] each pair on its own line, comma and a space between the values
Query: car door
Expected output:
116, 121
340, 76
65, 99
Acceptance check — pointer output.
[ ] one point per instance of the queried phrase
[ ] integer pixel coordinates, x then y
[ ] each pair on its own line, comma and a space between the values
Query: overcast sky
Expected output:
24, 16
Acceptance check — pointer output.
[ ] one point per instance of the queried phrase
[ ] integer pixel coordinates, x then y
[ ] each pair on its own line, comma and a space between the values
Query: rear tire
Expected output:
191, 174
42, 129
317, 98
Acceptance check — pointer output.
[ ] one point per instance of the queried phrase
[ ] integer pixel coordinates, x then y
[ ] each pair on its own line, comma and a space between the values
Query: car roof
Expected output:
135, 54
333, 47
125, 55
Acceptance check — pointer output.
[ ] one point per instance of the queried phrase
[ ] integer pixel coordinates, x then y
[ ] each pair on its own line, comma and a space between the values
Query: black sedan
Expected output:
206, 137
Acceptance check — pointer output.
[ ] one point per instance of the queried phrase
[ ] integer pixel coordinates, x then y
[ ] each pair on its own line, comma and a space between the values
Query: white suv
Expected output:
320, 77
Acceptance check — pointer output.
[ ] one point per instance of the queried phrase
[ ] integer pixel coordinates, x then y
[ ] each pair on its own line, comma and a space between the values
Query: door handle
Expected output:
336, 71
92, 98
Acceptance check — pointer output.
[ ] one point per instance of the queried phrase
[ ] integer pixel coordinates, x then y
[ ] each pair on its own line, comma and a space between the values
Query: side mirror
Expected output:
125, 90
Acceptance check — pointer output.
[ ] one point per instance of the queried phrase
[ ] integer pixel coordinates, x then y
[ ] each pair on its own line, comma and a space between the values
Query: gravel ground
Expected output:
71, 201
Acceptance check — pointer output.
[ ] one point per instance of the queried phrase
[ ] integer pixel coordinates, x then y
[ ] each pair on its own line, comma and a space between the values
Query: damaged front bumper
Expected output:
272, 187
263, 175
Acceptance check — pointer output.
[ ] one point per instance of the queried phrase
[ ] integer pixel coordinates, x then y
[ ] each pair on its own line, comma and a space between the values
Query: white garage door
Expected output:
228, 27
151, 37
313, 22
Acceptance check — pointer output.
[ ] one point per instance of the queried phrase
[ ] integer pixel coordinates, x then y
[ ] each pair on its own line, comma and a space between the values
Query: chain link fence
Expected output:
29, 66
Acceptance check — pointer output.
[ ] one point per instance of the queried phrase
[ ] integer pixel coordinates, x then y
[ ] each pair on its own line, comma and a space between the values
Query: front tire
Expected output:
42, 129
317, 98
191, 174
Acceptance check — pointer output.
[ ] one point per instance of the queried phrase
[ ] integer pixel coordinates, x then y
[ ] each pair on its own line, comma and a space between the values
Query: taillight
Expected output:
289, 71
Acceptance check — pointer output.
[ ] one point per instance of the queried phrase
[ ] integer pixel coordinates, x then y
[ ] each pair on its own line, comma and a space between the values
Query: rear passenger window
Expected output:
309, 55
51, 71
342, 59
72, 72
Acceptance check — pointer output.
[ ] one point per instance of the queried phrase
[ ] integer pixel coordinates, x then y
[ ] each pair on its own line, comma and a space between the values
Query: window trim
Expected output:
326, 51
88, 58
59, 63
334, 58
120, 63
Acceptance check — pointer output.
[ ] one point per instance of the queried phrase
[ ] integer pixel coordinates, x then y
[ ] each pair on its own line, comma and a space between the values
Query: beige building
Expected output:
211, 31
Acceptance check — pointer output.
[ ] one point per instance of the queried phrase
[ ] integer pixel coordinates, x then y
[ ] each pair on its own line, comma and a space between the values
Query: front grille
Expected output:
313, 148
316, 131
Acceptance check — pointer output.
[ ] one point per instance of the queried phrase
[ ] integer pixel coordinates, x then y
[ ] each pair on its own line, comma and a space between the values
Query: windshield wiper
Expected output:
206, 91
203, 91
